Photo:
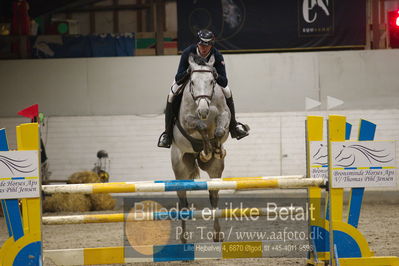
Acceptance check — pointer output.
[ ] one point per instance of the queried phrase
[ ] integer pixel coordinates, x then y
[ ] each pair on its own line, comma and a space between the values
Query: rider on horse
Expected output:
205, 49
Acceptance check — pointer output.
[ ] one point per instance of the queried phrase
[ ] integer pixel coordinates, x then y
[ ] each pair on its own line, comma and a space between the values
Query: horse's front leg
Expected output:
194, 123
222, 125
206, 153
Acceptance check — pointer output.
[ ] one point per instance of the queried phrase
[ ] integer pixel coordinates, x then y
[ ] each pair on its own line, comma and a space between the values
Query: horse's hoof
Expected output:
223, 153
220, 154
205, 157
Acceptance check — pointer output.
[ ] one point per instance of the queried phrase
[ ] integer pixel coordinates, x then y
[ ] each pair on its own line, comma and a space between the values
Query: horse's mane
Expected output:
199, 60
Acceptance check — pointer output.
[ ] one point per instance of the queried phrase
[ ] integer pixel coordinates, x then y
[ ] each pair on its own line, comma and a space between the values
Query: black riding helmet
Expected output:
206, 37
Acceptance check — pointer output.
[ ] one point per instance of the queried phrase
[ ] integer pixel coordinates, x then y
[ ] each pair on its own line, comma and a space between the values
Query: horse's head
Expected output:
202, 83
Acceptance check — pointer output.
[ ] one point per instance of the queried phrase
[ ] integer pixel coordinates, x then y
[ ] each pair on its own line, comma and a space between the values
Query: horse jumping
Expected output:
200, 131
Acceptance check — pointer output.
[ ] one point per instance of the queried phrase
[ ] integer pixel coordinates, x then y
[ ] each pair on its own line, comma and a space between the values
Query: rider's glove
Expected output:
215, 74
187, 74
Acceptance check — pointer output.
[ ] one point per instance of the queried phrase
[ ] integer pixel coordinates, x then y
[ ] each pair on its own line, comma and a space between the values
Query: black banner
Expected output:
254, 25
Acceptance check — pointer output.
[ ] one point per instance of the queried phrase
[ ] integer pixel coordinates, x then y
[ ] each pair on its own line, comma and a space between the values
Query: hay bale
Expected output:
102, 202
65, 202
84, 178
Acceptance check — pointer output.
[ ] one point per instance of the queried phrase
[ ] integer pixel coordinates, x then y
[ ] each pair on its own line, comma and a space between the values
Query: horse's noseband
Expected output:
209, 97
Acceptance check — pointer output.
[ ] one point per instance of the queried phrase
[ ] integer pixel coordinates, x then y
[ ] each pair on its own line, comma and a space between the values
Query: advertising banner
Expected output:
253, 25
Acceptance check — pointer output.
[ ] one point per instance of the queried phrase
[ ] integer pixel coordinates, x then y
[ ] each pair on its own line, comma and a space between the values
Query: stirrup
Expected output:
244, 126
162, 143
243, 132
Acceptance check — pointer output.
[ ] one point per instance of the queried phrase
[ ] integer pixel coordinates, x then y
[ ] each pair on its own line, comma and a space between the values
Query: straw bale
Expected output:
102, 202
84, 178
65, 202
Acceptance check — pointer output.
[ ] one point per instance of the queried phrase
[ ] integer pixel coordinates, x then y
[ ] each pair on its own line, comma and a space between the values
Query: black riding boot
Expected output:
235, 130
165, 140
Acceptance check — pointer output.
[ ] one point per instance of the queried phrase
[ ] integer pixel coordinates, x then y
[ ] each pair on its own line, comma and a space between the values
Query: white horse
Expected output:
200, 131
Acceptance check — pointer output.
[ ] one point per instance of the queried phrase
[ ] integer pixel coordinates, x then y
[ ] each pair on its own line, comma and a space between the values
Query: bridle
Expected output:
202, 96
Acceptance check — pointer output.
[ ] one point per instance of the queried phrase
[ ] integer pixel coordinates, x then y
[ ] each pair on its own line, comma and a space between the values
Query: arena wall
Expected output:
276, 82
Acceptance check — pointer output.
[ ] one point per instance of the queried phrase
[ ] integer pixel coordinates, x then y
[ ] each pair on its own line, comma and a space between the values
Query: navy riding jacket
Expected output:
219, 65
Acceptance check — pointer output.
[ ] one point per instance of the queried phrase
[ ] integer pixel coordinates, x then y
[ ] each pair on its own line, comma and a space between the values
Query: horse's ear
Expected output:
211, 61
191, 61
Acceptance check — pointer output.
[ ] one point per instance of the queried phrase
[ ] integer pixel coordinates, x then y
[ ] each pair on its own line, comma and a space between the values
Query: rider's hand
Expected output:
215, 74
187, 74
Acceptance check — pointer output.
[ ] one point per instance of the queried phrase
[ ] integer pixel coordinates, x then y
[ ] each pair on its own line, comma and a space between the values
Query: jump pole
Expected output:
164, 186
170, 215
218, 179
